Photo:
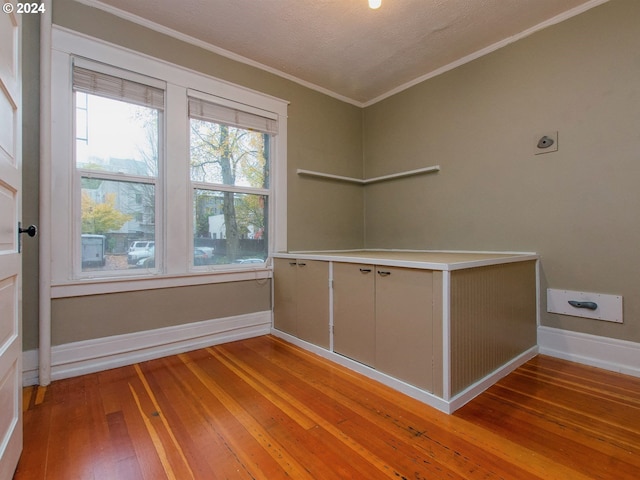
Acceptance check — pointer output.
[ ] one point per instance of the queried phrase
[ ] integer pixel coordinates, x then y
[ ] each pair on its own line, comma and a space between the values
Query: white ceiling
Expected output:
342, 47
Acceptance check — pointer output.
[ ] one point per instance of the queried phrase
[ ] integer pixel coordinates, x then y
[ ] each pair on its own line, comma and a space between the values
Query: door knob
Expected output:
31, 230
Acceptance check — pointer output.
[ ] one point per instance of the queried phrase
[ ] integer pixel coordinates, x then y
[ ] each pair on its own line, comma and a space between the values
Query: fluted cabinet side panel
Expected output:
493, 319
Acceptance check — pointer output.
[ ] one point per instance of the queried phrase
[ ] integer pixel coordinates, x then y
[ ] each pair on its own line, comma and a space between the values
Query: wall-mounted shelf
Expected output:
410, 173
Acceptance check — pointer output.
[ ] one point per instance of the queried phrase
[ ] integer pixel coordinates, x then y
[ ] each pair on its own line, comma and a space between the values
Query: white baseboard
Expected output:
446, 406
608, 353
90, 356
79, 358
480, 386
29, 368
413, 392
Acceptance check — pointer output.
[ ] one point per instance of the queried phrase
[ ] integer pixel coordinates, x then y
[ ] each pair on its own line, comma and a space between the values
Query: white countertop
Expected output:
425, 259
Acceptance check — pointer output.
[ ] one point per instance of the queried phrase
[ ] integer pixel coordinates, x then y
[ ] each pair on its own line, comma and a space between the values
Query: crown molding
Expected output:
439, 71
491, 48
213, 49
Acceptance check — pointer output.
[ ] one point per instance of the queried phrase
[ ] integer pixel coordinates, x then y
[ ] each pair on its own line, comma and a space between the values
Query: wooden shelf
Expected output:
367, 181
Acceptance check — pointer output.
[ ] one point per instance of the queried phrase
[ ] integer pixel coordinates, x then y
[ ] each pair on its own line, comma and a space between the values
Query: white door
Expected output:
10, 283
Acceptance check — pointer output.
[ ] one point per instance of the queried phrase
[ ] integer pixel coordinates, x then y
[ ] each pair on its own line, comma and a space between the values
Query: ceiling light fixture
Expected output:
375, 4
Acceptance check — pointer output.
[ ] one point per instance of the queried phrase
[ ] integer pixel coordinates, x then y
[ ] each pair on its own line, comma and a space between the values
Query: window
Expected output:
160, 176
229, 153
116, 164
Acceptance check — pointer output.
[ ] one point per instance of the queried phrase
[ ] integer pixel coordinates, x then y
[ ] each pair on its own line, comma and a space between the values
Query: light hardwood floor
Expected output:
264, 409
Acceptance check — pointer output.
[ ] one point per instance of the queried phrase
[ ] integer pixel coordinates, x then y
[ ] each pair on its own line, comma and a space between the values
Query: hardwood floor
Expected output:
264, 409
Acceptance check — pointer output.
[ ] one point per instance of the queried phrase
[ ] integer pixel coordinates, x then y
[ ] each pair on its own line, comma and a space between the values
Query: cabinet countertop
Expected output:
424, 259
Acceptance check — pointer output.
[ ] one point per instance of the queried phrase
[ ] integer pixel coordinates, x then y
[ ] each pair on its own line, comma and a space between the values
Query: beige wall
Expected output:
322, 133
577, 208
83, 318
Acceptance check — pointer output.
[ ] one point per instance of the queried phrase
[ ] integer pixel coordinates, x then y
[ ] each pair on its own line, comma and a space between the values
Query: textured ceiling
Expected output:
345, 48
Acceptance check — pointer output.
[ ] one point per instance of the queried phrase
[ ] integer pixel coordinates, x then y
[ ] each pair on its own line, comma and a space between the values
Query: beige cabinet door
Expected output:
404, 325
313, 302
301, 299
10, 283
284, 295
354, 325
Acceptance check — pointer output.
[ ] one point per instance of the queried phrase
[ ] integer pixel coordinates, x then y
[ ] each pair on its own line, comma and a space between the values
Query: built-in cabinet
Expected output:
354, 312
383, 317
444, 323
404, 325
301, 299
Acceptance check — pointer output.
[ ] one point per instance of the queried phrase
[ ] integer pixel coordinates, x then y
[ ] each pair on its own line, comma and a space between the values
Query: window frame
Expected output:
196, 185
175, 212
80, 173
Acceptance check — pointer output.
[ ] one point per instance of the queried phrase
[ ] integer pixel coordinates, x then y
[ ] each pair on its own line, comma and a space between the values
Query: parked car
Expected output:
208, 250
141, 245
139, 250
201, 257
249, 260
147, 262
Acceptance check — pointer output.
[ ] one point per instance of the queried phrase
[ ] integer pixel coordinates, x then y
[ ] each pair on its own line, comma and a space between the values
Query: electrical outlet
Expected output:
545, 142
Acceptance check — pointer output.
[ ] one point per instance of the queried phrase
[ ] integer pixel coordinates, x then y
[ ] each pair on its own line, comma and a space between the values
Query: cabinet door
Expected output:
313, 302
284, 295
404, 324
354, 326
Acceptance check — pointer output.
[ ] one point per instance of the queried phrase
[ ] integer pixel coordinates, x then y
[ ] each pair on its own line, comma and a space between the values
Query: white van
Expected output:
140, 249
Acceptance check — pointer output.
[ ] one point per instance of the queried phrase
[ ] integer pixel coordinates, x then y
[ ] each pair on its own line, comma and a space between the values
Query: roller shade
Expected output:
211, 112
116, 88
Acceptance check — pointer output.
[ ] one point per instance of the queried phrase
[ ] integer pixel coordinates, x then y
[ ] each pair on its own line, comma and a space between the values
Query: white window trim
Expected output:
78, 173
177, 233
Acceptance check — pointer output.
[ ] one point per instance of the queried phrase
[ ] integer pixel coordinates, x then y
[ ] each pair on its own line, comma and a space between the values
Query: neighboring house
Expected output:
134, 200
216, 227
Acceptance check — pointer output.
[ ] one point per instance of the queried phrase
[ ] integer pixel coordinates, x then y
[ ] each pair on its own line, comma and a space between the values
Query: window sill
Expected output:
98, 286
